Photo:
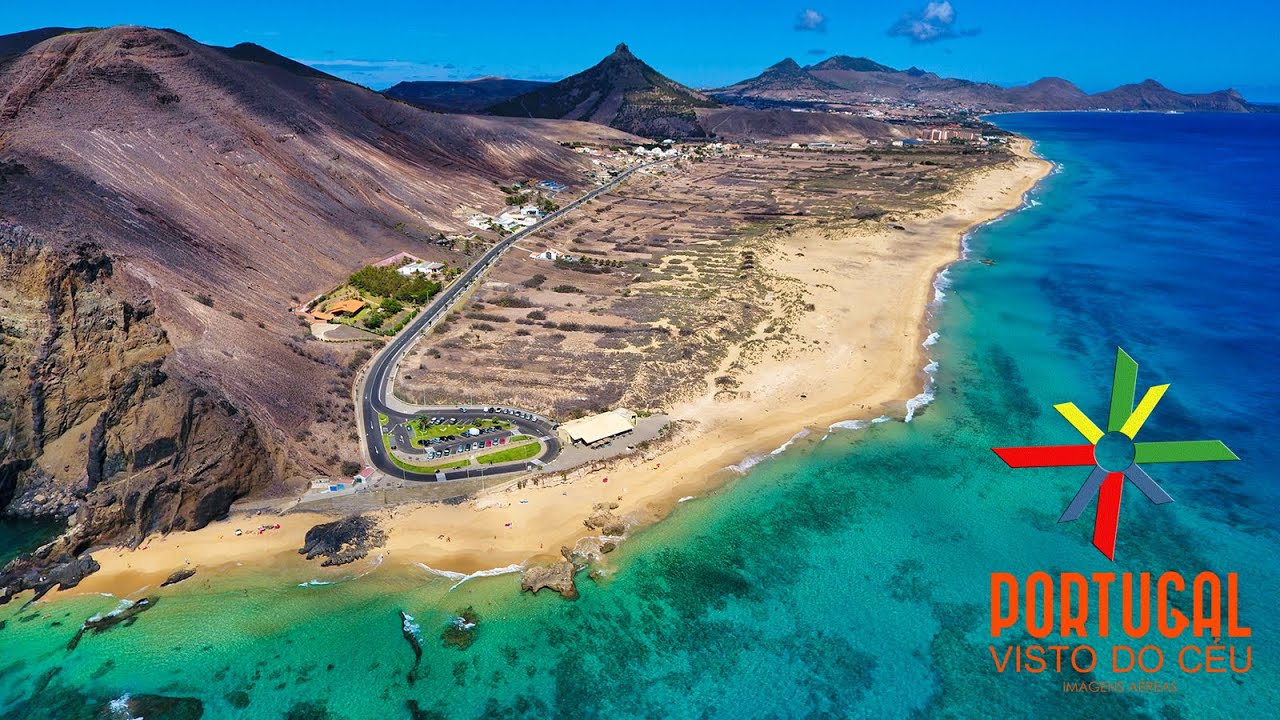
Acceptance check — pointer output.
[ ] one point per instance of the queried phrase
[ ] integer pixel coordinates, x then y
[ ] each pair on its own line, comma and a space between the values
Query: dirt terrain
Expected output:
673, 281
163, 204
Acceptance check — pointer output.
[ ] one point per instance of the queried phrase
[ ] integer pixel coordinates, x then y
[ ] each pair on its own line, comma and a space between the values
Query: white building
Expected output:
422, 266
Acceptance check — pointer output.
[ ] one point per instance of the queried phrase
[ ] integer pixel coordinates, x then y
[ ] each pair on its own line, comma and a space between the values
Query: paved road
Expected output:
381, 370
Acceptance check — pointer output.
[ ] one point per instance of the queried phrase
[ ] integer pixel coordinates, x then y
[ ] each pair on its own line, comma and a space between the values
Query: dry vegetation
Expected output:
674, 283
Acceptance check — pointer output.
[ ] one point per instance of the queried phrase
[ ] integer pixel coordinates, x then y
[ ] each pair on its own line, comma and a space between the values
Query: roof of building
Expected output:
351, 305
420, 266
594, 428
323, 316
397, 259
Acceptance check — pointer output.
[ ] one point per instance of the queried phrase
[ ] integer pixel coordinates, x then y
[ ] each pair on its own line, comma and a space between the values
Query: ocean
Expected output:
849, 575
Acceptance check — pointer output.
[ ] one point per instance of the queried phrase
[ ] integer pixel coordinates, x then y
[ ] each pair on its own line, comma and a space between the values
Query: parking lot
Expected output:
465, 433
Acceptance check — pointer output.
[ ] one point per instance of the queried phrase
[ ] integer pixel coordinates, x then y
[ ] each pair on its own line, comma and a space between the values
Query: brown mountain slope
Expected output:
203, 193
620, 91
787, 126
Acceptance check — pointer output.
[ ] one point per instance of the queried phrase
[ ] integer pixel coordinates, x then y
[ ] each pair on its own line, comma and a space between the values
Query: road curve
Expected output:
380, 371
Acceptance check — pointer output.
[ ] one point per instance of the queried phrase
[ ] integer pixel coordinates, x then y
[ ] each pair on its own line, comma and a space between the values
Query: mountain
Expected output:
163, 205
862, 80
620, 91
250, 52
784, 81
18, 43
1151, 95
461, 96
843, 80
1047, 93
844, 63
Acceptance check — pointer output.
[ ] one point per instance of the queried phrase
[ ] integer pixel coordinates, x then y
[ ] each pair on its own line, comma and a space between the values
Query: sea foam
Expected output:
463, 577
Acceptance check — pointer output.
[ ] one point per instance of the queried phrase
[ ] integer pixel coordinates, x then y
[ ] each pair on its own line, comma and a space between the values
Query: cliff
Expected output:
94, 428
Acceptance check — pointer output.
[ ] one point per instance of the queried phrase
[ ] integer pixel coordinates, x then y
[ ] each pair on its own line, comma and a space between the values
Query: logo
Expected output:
1114, 454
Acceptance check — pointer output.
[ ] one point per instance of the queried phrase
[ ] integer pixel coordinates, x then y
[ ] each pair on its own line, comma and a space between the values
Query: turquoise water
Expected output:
22, 536
849, 576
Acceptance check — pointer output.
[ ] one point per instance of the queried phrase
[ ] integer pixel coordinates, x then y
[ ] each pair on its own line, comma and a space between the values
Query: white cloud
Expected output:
811, 21
937, 21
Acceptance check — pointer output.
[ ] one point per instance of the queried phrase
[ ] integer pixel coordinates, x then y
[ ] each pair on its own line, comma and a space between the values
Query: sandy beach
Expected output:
858, 355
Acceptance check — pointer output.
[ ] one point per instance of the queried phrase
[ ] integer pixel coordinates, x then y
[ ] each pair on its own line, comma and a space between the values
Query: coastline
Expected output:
859, 355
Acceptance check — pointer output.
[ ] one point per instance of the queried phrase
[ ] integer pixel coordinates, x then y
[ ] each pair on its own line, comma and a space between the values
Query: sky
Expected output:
709, 43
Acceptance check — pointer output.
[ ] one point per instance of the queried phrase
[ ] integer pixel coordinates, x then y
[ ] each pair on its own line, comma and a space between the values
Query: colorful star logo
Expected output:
1114, 455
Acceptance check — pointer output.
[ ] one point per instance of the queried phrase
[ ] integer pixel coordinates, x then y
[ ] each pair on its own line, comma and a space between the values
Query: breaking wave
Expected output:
463, 577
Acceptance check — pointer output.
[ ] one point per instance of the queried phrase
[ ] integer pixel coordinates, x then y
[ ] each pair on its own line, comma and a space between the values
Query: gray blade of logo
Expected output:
1153, 491
1082, 498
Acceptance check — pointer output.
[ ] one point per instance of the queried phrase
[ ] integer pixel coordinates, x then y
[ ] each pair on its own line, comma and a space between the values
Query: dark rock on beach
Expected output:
26, 573
178, 576
557, 577
343, 541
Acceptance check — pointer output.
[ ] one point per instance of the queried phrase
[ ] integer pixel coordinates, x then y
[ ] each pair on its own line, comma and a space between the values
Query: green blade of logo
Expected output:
1123, 388
1182, 451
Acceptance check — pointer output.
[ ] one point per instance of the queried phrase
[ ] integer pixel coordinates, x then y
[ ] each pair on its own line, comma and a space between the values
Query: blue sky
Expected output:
1096, 44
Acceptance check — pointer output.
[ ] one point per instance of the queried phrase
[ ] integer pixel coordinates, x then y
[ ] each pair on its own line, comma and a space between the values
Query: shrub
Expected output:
566, 289
535, 281
523, 333
537, 315
511, 301
388, 283
204, 299
237, 314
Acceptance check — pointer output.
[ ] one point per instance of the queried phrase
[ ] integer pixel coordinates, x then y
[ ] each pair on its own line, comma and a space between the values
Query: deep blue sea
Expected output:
848, 576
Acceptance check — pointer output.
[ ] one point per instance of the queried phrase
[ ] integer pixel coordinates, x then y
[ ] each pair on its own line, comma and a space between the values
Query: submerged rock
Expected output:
557, 577
178, 576
126, 613
343, 541
157, 707
413, 635
461, 630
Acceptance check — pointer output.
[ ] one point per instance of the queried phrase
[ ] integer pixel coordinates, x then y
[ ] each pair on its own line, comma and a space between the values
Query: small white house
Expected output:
423, 267
551, 255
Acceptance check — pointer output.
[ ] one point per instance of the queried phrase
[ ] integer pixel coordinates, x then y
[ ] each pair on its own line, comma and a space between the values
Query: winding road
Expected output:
374, 387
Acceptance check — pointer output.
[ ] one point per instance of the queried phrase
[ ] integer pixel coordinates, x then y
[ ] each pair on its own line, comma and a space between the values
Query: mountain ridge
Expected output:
848, 80
461, 95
